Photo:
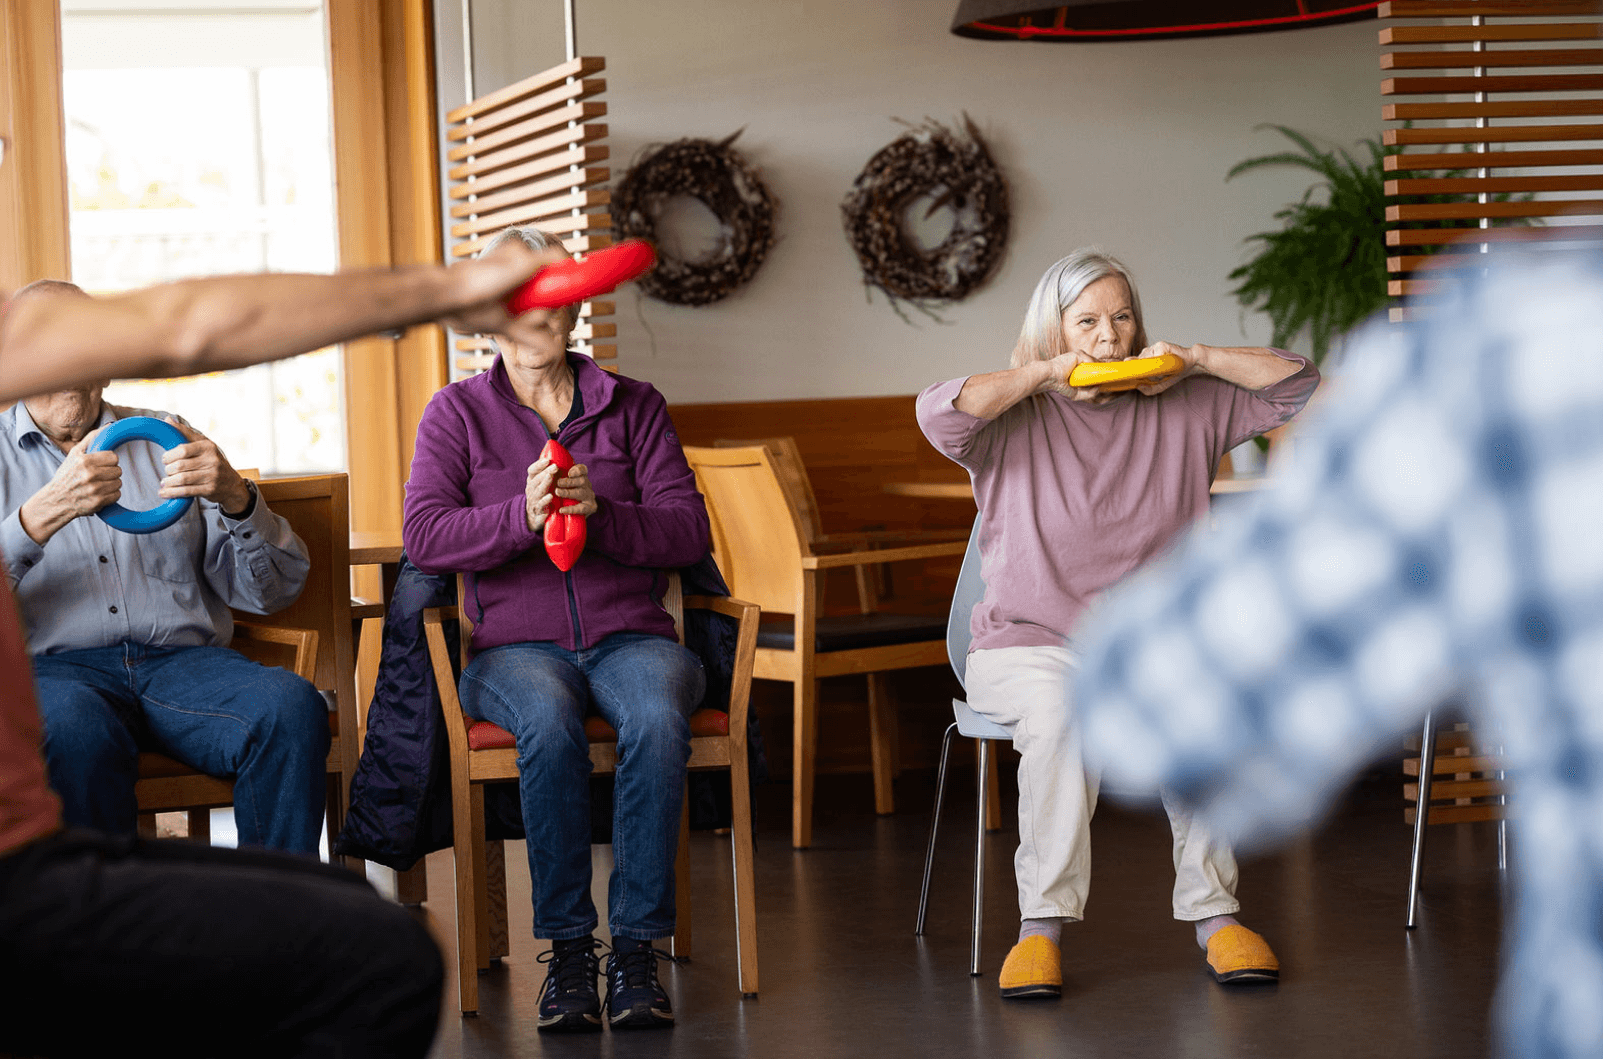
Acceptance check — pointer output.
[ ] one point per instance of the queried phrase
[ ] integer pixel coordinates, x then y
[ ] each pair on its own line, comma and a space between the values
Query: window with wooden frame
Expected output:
380, 91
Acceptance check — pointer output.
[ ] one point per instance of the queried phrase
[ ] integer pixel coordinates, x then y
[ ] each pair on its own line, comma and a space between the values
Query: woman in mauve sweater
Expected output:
548, 646
1076, 487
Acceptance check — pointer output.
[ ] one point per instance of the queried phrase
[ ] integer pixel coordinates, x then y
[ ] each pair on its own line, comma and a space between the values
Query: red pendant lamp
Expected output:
1092, 20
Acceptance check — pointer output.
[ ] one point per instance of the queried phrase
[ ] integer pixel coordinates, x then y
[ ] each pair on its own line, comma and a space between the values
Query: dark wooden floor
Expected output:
843, 974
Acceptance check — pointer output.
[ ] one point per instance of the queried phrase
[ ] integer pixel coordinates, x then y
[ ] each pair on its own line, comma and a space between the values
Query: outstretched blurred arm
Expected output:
227, 322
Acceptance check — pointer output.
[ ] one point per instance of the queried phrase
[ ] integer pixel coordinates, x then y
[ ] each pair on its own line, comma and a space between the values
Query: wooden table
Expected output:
1239, 485
965, 490
375, 547
381, 548
932, 490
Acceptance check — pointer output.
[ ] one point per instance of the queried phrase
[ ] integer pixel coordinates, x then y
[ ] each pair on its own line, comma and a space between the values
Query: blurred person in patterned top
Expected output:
1438, 531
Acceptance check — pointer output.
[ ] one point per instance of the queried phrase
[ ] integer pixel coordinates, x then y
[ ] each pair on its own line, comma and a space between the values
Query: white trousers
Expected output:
1028, 689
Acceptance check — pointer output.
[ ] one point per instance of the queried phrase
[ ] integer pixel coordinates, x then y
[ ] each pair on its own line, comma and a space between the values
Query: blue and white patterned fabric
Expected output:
1438, 530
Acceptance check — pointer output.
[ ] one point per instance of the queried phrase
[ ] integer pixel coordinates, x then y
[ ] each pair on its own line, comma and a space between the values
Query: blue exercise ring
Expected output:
142, 428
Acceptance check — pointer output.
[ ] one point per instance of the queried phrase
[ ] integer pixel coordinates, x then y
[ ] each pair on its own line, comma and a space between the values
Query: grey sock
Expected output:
1051, 929
1207, 928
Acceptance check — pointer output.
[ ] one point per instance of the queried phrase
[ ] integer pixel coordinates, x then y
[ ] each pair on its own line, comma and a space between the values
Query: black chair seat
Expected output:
852, 631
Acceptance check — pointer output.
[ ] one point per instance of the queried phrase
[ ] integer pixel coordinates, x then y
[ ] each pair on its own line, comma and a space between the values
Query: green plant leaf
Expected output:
1324, 271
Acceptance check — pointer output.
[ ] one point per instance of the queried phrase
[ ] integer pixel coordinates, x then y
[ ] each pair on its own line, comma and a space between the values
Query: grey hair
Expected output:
535, 240
50, 286
1041, 337
532, 237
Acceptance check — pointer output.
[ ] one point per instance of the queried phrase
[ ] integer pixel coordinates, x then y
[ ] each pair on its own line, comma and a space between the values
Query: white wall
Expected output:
1120, 144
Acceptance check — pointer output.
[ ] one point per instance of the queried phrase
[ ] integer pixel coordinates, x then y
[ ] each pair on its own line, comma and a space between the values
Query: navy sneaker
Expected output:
568, 1000
635, 999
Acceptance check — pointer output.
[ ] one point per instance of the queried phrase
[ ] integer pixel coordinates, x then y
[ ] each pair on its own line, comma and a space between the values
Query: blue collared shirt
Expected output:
93, 586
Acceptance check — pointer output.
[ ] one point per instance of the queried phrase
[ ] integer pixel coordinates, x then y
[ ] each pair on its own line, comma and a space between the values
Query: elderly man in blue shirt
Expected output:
129, 634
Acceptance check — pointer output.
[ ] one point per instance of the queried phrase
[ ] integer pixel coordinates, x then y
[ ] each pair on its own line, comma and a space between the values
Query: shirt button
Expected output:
102, 558
246, 535
114, 610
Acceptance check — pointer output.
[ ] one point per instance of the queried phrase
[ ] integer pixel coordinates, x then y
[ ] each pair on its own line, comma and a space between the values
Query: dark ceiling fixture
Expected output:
1092, 20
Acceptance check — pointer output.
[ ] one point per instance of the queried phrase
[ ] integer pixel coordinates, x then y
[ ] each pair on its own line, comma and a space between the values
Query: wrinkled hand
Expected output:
537, 493
481, 286
83, 484
575, 492
1057, 381
542, 488
1189, 354
199, 468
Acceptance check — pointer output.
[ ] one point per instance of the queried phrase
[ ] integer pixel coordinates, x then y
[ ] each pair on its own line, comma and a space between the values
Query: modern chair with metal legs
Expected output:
970, 590
1416, 863
1484, 762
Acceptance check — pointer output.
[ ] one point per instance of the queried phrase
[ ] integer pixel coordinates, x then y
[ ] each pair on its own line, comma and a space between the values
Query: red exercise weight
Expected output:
564, 534
572, 281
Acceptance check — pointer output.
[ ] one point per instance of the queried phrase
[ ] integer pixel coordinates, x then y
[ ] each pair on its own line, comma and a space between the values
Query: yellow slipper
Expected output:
1033, 970
1236, 954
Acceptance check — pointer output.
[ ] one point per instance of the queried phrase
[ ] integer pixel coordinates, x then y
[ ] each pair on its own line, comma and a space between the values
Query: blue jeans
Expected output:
645, 687
211, 708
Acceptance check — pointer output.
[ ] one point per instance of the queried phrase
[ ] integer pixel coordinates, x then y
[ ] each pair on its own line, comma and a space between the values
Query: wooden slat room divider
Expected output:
1528, 62
529, 154
1513, 91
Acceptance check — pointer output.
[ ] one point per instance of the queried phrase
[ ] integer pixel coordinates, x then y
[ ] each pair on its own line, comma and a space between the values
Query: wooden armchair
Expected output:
312, 635
167, 785
482, 753
873, 581
764, 550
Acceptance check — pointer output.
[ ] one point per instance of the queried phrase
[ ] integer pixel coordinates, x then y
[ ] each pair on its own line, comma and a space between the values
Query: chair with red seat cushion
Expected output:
704, 724
482, 753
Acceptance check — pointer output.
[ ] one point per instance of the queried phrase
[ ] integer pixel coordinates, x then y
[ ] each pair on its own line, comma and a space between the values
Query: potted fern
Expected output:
1324, 271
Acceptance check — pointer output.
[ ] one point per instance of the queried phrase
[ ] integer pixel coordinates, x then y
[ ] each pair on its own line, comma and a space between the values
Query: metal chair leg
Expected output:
1427, 768
935, 826
979, 860
1502, 822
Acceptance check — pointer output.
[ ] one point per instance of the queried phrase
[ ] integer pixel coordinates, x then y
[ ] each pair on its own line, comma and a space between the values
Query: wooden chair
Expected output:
482, 753
765, 552
313, 634
168, 785
873, 581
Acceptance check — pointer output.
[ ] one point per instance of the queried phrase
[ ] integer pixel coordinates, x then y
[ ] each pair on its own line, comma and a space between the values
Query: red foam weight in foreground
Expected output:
572, 281
564, 534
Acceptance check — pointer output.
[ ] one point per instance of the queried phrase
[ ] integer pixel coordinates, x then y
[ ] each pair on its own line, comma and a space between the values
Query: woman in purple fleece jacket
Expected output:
1076, 488
548, 646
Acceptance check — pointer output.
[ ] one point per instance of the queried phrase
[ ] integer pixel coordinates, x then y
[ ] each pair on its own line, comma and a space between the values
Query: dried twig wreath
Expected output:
713, 173
954, 169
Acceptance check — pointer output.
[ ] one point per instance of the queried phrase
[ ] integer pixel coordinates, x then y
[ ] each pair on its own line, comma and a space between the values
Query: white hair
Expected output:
532, 237
1041, 337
